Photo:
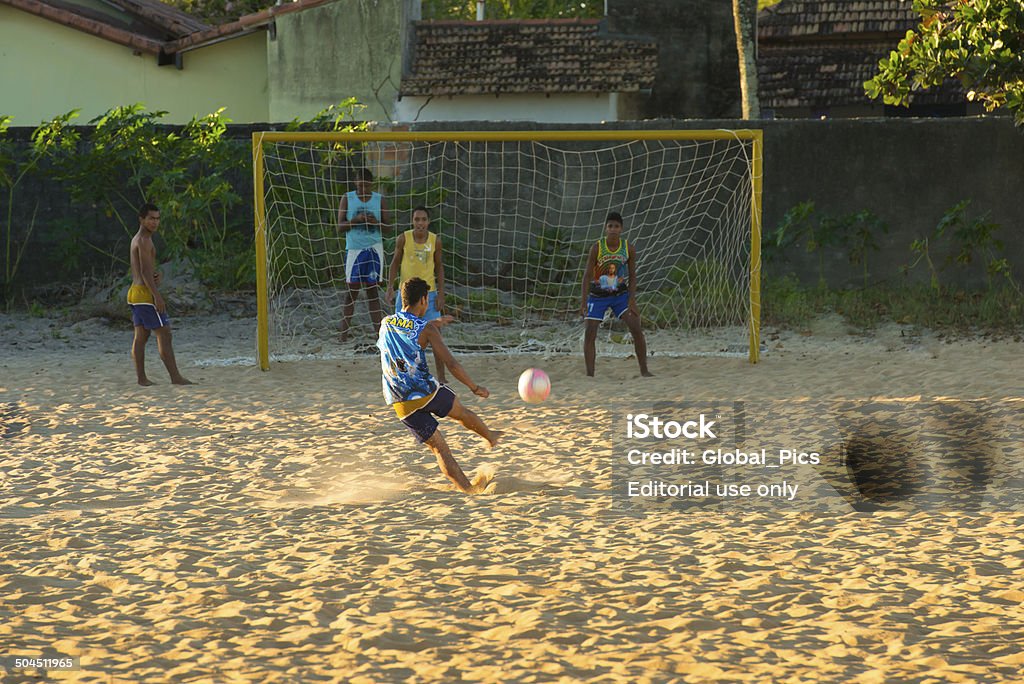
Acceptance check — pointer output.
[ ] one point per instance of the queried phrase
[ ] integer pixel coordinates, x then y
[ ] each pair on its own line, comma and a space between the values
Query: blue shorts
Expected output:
364, 266
146, 316
597, 306
421, 422
432, 311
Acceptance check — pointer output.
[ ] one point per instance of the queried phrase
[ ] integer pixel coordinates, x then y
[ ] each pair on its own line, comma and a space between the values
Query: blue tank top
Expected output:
404, 372
362, 236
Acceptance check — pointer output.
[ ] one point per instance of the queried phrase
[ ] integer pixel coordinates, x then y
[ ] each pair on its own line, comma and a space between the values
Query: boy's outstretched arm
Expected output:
431, 336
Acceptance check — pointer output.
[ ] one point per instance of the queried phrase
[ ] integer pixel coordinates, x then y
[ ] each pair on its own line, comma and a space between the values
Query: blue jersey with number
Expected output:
361, 235
403, 364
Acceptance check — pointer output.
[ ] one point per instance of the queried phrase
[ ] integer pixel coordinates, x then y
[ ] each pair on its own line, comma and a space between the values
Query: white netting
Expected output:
517, 219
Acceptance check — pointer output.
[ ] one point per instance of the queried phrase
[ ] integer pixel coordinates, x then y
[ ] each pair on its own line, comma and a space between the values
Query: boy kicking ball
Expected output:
414, 393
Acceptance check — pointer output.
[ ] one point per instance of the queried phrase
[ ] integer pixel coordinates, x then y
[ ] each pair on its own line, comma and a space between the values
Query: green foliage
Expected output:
131, 158
788, 304
222, 11
16, 165
698, 293
978, 42
545, 261
219, 11
314, 170
514, 9
488, 302
855, 233
965, 241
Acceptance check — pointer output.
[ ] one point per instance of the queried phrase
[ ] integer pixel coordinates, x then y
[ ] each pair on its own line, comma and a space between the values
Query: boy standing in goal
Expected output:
601, 291
418, 255
362, 215
413, 392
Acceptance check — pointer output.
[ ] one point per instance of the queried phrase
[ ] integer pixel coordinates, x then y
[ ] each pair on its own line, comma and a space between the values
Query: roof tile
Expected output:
819, 53
540, 56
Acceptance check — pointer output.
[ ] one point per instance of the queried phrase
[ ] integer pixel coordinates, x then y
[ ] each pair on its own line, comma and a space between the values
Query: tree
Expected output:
513, 9
978, 42
744, 15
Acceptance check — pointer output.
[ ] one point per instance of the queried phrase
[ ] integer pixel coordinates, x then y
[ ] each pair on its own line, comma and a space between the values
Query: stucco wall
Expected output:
698, 70
349, 48
59, 69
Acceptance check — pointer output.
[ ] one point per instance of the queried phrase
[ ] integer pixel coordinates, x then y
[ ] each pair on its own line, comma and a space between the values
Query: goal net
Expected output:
517, 213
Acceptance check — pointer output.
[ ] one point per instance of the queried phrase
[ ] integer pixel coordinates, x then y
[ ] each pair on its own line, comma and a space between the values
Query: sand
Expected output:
283, 526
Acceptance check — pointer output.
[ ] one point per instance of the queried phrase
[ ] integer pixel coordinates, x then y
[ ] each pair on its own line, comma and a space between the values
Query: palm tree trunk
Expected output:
744, 14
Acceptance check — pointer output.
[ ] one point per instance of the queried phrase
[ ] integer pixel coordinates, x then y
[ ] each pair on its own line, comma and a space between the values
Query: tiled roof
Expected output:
819, 53
142, 25
172, 20
826, 74
794, 19
244, 24
151, 26
534, 56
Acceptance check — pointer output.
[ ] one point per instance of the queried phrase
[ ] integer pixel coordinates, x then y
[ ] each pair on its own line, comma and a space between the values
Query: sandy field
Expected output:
282, 526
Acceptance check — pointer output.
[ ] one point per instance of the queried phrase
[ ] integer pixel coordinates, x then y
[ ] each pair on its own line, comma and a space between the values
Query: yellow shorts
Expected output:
140, 294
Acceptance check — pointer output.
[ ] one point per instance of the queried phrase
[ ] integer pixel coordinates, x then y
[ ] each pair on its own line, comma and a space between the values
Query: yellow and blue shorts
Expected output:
420, 421
144, 313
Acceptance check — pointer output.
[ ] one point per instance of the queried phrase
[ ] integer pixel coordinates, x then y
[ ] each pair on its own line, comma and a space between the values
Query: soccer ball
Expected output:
534, 385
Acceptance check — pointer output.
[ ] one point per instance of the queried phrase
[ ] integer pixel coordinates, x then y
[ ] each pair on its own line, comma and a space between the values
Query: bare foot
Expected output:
145, 382
647, 374
481, 481
182, 381
496, 435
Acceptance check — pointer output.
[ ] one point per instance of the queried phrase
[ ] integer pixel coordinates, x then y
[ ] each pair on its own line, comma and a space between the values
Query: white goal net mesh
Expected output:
517, 218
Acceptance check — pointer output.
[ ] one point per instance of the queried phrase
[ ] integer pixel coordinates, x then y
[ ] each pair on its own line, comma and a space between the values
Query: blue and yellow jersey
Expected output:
405, 376
611, 271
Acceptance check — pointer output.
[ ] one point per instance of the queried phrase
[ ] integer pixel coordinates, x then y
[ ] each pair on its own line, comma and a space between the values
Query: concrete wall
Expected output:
907, 172
59, 69
349, 48
698, 70
568, 108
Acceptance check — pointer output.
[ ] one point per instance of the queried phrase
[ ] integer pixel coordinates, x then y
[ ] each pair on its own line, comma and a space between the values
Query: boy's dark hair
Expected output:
422, 208
614, 216
364, 174
413, 290
146, 208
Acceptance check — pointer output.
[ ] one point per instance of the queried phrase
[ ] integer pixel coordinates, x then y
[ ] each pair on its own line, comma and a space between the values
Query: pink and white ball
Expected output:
534, 385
